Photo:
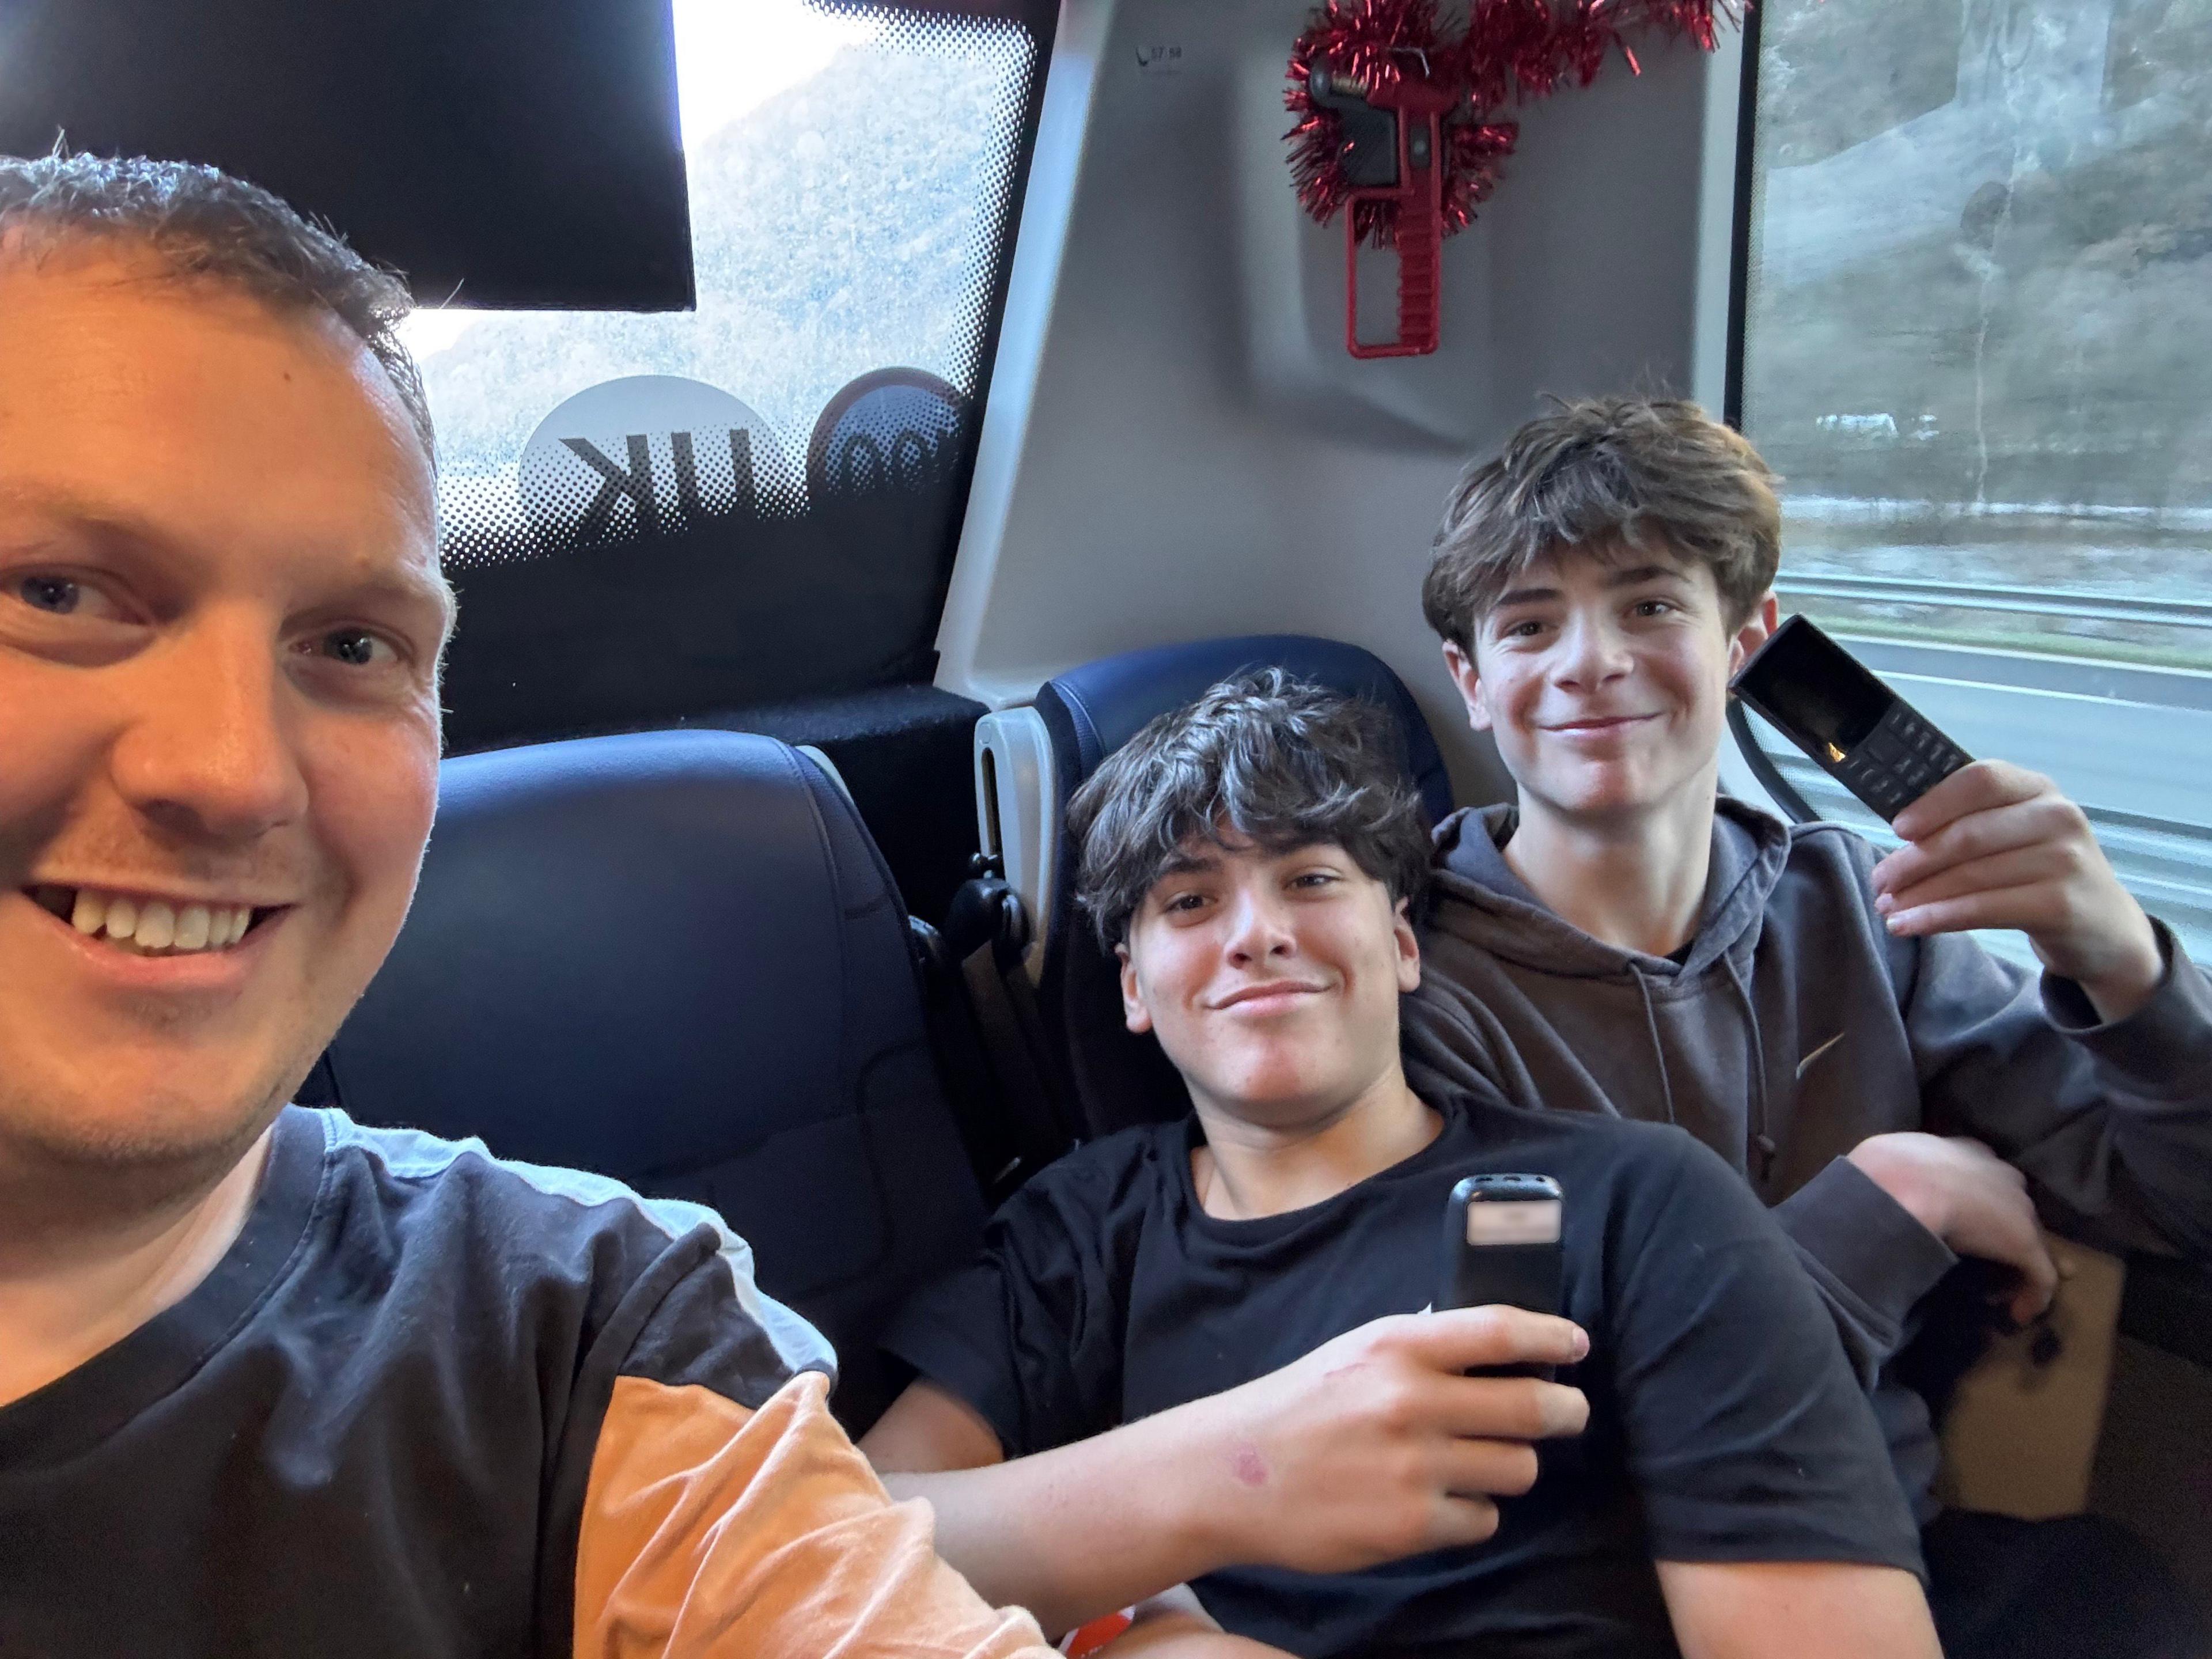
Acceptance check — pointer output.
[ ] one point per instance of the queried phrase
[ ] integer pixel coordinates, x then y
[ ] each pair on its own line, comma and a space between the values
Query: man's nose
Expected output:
208, 752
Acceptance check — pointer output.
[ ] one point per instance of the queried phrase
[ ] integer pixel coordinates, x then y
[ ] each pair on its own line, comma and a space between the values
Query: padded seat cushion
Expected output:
677, 958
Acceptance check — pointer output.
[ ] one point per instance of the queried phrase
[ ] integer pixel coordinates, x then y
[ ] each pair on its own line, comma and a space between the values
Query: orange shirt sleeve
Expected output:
709, 1529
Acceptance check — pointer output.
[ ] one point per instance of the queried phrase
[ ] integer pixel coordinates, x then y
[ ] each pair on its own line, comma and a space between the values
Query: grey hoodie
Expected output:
1793, 1028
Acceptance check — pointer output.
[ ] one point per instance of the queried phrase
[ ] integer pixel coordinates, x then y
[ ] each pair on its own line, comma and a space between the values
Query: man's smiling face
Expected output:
221, 617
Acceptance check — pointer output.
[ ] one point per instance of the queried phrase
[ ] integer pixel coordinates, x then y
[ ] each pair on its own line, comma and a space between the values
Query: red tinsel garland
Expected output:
1377, 43
1510, 50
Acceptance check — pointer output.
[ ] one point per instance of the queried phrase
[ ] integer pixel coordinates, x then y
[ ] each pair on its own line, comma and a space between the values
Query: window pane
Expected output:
758, 499
1976, 349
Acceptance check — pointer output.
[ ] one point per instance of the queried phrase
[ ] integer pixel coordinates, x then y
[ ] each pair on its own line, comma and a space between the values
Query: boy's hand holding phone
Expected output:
1377, 1445
1995, 845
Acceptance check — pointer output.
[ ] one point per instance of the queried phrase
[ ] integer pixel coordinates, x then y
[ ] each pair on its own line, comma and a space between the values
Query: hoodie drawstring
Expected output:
1761, 1142
1762, 1147
1658, 1049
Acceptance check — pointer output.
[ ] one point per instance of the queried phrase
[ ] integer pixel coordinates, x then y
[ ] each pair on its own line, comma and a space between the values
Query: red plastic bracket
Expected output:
1419, 197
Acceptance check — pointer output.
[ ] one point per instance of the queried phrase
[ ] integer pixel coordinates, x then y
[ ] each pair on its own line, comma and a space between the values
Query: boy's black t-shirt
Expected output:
1725, 1423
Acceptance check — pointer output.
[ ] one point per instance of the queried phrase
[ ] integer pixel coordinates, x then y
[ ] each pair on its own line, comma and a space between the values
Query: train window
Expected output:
648, 514
1976, 241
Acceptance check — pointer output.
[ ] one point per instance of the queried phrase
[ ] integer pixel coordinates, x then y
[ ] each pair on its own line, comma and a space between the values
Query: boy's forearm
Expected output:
1797, 1610
2113, 1120
1087, 1530
1377, 1445
1874, 1260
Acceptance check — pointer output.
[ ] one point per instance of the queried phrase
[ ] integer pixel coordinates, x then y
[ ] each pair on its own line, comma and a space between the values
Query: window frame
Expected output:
1769, 776
1041, 19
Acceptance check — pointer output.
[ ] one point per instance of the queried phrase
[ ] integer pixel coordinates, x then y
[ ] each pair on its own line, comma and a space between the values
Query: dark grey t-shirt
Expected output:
1724, 1423
372, 1430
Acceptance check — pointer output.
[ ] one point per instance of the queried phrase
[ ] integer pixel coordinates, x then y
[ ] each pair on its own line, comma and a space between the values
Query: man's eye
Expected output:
57, 594
356, 647
61, 596
1523, 630
1186, 901
1653, 607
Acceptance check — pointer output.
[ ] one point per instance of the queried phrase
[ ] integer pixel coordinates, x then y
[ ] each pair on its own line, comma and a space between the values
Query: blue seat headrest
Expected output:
1102, 705
677, 958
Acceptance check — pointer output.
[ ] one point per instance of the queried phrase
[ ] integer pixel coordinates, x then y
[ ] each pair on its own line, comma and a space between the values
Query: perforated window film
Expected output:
649, 515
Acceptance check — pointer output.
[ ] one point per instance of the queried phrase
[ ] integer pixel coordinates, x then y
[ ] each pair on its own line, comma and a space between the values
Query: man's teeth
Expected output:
156, 925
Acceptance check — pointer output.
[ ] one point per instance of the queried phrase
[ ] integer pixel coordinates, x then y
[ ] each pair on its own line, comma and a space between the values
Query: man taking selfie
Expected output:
270, 1382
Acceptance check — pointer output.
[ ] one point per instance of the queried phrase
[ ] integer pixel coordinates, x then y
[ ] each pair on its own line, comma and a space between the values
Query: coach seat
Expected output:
678, 958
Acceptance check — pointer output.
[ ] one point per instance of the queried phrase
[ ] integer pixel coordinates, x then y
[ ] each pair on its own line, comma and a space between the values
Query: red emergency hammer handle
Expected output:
1420, 238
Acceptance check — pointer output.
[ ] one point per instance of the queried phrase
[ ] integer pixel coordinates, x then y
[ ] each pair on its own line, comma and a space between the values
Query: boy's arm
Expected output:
1797, 1610
1754, 1457
1876, 1230
2100, 1087
1374, 1446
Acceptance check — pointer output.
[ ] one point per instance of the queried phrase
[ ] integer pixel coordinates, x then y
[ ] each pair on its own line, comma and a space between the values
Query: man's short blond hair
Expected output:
200, 224
1607, 476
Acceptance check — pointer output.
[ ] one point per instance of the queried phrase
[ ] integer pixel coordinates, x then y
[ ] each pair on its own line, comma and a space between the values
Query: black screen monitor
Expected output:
522, 153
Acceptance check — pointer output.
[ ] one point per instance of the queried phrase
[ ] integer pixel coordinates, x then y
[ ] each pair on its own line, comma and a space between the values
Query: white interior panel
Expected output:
1178, 445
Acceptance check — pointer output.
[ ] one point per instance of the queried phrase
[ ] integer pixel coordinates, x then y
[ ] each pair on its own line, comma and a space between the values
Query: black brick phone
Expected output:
1857, 731
1501, 1247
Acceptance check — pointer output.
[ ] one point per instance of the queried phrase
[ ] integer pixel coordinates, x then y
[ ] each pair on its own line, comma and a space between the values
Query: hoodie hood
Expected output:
1480, 900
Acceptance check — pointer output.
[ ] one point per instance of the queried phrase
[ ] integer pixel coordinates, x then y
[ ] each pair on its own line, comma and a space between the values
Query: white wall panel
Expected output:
1178, 445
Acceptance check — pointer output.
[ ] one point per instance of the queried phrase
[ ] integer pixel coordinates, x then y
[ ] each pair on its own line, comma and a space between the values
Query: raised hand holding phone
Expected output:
1997, 846
1987, 844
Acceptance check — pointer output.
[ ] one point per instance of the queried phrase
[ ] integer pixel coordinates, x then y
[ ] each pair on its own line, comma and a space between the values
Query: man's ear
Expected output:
1765, 618
1134, 1014
1461, 668
1409, 947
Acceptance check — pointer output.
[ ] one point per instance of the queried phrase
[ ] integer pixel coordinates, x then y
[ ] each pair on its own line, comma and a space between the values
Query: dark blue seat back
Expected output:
677, 958
1120, 1078
1093, 710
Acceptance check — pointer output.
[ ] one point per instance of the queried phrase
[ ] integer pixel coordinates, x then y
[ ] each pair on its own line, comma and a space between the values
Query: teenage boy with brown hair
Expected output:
1252, 860
1623, 939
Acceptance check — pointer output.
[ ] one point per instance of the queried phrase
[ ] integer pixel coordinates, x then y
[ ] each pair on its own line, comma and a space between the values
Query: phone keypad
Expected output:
1900, 761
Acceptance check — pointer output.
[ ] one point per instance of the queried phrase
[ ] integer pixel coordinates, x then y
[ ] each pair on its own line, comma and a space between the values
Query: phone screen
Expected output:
1814, 684
1514, 1221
